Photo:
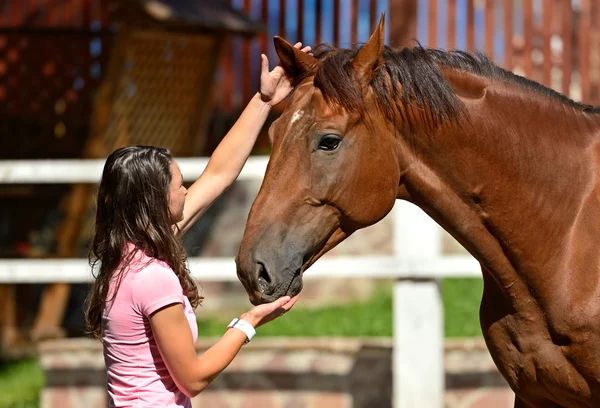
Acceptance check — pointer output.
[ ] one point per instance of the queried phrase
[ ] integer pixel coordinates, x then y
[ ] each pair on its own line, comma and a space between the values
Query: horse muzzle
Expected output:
266, 283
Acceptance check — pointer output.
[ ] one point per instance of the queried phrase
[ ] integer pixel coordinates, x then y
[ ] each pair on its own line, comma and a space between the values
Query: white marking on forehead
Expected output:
297, 115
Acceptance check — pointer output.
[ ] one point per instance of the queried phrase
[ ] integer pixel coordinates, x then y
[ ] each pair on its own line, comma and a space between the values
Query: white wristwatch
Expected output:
244, 326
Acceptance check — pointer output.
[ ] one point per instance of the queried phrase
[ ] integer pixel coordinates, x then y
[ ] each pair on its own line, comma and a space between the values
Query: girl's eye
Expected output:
329, 142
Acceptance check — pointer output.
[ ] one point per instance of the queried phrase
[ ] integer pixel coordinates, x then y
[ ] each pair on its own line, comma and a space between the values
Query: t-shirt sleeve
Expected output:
156, 286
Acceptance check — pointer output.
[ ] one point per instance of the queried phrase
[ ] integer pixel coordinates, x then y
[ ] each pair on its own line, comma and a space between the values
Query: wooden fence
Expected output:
554, 42
341, 23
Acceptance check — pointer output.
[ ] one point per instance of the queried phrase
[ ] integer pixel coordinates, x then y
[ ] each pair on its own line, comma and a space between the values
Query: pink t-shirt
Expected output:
136, 373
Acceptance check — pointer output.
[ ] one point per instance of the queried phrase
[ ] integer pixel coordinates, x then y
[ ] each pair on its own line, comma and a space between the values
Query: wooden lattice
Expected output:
161, 92
46, 92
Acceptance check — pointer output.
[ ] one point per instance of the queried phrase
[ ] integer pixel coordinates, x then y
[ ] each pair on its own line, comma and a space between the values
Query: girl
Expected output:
142, 303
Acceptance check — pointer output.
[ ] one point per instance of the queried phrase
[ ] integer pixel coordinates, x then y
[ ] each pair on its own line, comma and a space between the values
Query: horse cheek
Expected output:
375, 193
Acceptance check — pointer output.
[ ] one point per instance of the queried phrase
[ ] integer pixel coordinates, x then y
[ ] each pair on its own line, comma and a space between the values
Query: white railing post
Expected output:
418, 361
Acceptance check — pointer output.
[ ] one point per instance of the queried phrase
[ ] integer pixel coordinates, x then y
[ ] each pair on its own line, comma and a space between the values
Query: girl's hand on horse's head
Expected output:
275, 85
261, 314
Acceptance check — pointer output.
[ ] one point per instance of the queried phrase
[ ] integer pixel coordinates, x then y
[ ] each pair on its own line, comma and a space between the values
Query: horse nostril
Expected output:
264, 280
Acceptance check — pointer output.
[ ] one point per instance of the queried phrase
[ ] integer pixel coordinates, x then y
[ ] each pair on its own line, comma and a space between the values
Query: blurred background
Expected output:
80, 78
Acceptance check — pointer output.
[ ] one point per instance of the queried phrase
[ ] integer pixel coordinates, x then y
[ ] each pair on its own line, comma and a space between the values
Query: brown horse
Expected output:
507, 166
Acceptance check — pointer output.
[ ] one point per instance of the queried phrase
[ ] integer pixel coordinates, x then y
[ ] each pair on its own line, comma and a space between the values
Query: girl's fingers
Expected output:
283, 304
264, 62
283, 300
277, 307
279, 303
287, 306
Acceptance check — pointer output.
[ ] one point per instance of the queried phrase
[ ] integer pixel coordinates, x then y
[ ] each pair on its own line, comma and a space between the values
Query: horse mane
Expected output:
411, 78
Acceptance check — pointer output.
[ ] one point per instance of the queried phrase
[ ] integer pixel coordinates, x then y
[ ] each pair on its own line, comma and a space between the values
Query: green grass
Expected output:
461, 298
373, 318
21, 381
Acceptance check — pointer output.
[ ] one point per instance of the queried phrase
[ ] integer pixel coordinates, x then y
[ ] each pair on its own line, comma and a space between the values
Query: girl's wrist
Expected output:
250, 319
266, 101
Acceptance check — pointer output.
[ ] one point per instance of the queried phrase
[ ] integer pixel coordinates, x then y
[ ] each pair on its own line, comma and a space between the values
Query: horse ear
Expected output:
294, 62
370, 56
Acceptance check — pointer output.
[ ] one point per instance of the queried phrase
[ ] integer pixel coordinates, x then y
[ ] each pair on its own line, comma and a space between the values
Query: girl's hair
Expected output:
133, 207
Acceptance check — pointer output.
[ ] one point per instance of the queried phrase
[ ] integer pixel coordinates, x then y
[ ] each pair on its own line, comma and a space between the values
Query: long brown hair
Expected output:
133, 207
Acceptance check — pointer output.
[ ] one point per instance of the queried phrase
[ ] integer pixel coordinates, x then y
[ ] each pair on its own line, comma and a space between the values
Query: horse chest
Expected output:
538, 370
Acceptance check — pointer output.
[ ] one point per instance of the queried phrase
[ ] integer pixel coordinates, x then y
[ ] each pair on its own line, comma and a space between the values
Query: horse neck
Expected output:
520, 166
523, 136
508, 132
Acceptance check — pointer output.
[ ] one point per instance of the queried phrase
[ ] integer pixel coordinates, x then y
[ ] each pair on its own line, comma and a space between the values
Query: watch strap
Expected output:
244, 326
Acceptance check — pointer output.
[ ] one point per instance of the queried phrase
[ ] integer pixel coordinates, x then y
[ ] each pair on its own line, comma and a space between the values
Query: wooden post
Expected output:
402, 22
471, 25
418, 364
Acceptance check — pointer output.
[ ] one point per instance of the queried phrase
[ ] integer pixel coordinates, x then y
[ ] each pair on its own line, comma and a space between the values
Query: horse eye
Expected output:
329, 142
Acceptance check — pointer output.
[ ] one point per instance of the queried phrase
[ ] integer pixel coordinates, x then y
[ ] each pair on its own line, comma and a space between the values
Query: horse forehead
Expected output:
310, 100
322, 110
299, 106
296, 116
304, 94
306, 108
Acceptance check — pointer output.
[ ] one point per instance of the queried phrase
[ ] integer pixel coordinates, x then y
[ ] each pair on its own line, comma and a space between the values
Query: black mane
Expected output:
423, 86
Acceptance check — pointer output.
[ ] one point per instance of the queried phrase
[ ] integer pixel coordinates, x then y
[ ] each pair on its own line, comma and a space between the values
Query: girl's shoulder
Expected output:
152, 268
139, 260
154, 286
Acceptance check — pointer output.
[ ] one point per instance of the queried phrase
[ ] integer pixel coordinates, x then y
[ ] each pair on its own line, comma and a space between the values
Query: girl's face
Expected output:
177, 193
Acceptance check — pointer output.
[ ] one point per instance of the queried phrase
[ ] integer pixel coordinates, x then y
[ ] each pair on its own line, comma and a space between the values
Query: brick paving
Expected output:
287, 373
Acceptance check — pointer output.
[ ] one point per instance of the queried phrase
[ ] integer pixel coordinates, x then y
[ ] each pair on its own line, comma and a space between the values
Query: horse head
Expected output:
323, 178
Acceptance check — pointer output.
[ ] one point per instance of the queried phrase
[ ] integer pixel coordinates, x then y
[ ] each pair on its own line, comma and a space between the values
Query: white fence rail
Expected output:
417, 263
223, 269
90, 170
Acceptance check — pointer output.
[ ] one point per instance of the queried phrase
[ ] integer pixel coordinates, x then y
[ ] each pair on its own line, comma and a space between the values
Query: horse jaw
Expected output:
338, 236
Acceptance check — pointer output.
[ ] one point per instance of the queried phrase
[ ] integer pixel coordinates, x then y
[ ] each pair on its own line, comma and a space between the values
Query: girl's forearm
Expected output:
225, 163
229, 157
214, 360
